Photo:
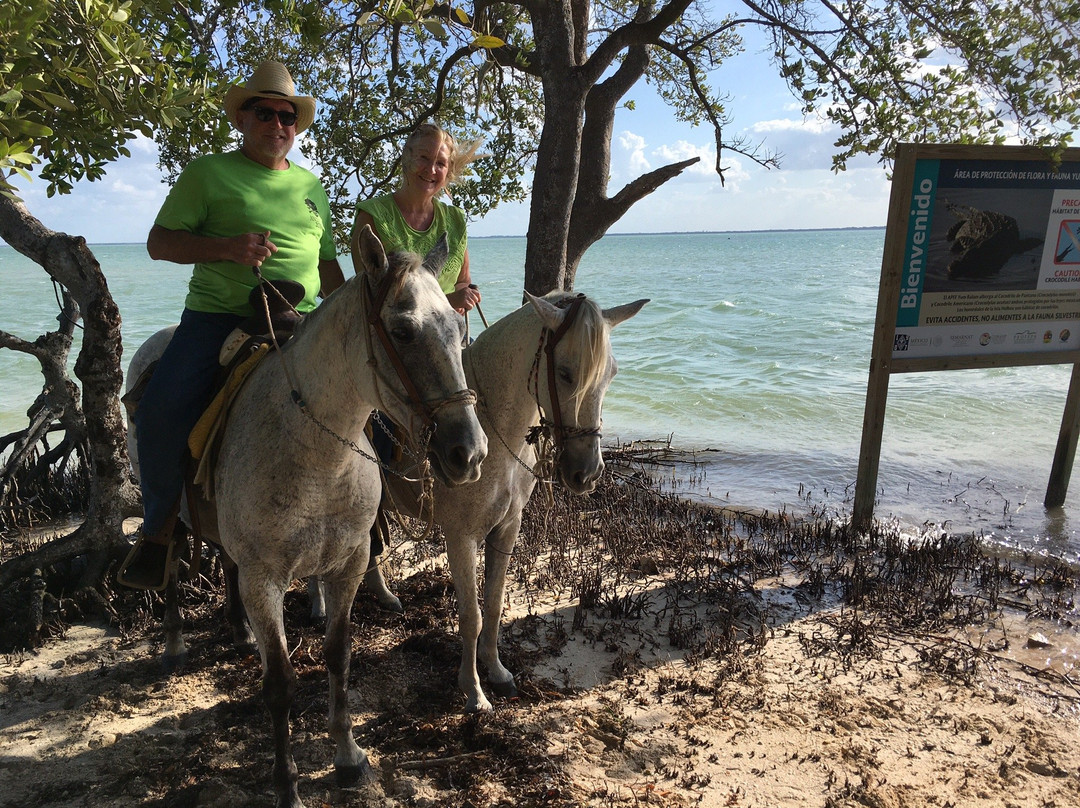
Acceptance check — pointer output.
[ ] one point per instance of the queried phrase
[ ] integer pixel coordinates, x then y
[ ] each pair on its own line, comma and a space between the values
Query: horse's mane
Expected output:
587, 340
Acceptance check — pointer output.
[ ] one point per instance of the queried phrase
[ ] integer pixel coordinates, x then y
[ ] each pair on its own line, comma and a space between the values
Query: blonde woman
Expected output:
413, 217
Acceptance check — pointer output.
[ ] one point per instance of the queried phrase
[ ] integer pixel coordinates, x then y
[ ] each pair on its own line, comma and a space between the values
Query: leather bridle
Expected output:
549, 340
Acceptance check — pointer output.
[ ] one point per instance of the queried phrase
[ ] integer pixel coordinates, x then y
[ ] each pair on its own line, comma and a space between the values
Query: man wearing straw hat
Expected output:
227, 213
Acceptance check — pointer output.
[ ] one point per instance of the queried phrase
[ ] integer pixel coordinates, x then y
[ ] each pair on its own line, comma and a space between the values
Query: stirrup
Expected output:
149, 563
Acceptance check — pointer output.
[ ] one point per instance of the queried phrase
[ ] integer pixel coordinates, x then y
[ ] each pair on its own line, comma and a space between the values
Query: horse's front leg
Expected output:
497, 552
374, 582
265, 611
350, 763
461, 552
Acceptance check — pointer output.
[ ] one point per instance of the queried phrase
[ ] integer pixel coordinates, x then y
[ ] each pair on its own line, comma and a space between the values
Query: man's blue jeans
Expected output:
178, 393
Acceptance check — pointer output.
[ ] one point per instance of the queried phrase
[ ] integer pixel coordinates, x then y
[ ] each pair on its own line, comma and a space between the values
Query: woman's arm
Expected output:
330, 276
465, 296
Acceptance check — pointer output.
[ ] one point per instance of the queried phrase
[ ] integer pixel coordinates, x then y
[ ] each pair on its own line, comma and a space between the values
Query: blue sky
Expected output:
803, 193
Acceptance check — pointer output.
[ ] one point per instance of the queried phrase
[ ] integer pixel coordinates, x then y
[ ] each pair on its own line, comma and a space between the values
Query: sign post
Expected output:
981, 268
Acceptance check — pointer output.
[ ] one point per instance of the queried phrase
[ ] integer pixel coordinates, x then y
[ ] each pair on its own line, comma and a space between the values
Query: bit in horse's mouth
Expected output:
439, 471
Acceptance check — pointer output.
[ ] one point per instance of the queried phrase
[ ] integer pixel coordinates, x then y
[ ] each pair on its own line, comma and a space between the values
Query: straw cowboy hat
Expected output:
270, 80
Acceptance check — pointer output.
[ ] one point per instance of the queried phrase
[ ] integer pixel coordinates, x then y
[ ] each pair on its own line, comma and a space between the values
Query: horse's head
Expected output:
573, 379
416, 346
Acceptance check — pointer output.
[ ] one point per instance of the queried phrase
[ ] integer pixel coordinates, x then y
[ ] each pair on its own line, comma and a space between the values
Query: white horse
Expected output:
296, 488
545, 366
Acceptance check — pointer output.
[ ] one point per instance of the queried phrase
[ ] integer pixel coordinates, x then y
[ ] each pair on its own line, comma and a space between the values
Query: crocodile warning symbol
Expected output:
1068, 243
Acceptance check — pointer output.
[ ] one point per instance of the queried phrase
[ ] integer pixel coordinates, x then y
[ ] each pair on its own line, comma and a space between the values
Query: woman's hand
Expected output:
464, 298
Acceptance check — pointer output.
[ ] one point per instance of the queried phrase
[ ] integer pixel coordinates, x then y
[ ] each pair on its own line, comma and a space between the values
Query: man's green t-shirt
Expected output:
395, 233
228, 194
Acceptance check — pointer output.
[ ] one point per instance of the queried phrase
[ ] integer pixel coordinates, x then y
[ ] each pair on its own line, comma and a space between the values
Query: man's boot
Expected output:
151, 560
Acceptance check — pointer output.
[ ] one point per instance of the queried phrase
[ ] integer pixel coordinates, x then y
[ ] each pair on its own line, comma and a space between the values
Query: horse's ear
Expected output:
550, 314
436, 258
619, 313
368, 254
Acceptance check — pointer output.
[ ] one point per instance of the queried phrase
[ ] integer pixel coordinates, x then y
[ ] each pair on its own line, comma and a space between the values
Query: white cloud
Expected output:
684, 150
143, 145
814, 125
758, 199
635, 146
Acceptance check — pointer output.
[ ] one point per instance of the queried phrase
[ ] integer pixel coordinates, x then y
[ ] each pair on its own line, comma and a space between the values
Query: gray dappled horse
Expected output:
295, 487
547, 366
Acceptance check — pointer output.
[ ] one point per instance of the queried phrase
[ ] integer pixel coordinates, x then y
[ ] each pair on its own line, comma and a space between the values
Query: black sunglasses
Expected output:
265, 114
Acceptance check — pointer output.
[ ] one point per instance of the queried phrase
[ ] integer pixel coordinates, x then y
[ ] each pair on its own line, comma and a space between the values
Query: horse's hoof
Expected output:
354, 775
244, 642
246, 648
391, 604
478, 706
504, 690
174, 663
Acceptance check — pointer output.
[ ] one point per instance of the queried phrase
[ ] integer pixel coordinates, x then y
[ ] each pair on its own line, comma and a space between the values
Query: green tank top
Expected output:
395, 233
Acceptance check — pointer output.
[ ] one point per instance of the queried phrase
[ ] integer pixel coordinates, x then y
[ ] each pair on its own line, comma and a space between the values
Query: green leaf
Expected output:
436, 29
107, 44
59, 101
487, 42
32, 82
29, 128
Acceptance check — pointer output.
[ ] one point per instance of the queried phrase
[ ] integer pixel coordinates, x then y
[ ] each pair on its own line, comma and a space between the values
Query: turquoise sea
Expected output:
754, 352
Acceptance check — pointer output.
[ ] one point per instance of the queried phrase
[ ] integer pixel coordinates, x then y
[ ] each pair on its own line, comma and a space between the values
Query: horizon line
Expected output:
606, 235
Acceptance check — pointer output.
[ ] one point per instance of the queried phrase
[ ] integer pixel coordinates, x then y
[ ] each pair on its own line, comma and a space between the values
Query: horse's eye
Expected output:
565, 376
402, 334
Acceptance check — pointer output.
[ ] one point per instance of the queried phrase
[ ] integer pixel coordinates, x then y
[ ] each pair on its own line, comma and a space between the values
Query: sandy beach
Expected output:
736, 676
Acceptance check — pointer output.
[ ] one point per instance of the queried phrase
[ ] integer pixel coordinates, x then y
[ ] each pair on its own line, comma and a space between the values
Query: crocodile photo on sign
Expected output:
983, 240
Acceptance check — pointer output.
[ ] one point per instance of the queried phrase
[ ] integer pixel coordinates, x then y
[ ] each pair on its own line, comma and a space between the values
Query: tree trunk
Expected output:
570, 208
559, 150
113, 495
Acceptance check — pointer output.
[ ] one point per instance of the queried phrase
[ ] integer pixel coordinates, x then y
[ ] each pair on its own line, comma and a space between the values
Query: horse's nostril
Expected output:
586, 479
457, 457
463, 459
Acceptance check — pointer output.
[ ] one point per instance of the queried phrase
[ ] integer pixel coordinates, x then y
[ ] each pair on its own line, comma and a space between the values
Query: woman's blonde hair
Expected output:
460, 156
